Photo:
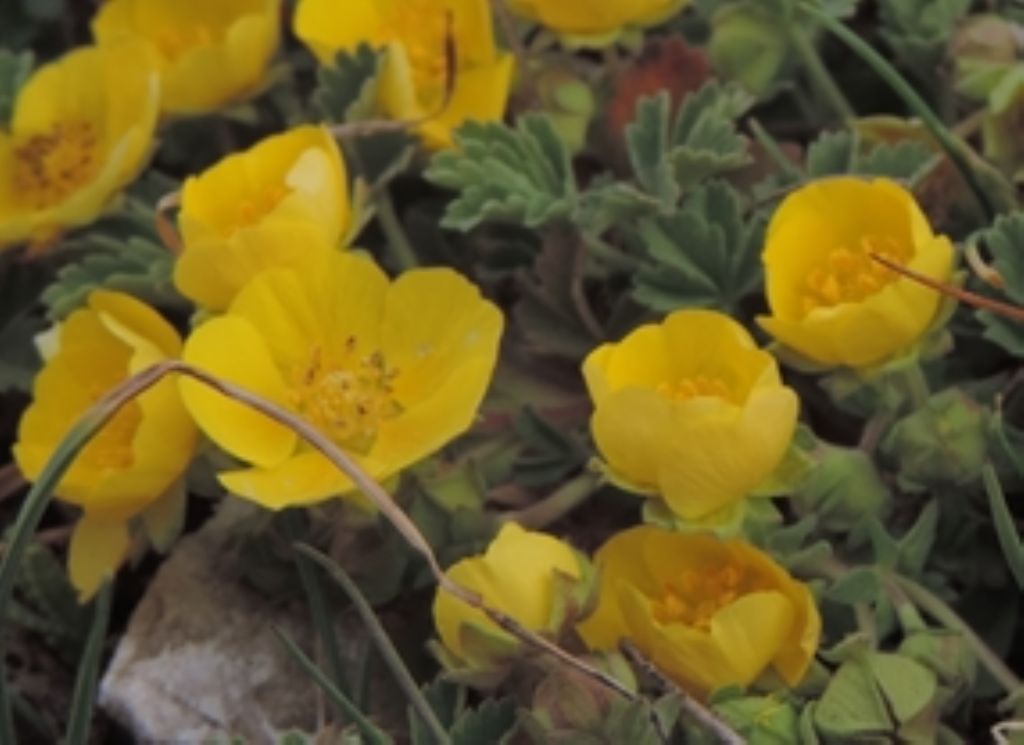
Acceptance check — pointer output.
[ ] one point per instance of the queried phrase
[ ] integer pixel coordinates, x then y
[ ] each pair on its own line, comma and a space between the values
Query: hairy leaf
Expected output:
520, 175
137, 266
705, 255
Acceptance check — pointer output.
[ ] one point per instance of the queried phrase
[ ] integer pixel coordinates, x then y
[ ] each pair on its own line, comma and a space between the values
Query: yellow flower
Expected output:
276, 204
830, 301
690, 409
708, 613
520, 574
80, 131
595, 23
391, 371
413, 78
209, 53
131, 467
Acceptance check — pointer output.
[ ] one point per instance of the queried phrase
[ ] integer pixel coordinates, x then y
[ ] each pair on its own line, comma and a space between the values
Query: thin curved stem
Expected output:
954, 147
937, 608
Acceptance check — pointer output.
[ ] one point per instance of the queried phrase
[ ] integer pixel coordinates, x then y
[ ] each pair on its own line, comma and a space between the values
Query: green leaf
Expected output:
832, 153
448, 702
15, 67
1005, 242
490, 722
647, 140
859, 585
630, 722
522, 175
704, 255
347, 89
705, 141
852, 705
916, 544
1006, 529
138, 266
899, 160
907, 686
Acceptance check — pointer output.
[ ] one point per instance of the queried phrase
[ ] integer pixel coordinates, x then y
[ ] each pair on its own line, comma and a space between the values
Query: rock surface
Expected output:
199, 660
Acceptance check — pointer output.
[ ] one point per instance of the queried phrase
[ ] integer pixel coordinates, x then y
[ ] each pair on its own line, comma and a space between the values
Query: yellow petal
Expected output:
211, 272
98, 547
750, 631
716, 454
631, 429
480, 94
326, 28
230, 348
303, 479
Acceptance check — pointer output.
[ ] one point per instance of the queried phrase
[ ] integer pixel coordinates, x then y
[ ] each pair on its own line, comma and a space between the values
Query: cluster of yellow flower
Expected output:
689, 411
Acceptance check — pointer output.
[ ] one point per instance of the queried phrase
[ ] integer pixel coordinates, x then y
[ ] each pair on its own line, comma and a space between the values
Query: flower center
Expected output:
421, 26
695, 597
346, 395
51, 165
695, 386
851, 275
174, 41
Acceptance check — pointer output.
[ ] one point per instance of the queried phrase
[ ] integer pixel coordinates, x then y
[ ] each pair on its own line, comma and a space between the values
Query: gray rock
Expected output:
199, 660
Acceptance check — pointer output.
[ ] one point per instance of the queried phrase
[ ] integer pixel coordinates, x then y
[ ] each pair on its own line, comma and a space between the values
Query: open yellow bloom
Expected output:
708, 613
595, 22
690, 409
130, 468
414, 33
81, 130
277, 204
520, 574
209, 53
391, 371
830, 301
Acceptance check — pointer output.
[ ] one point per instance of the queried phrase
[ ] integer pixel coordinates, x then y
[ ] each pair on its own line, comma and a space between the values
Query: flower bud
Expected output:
941, 444
841, 489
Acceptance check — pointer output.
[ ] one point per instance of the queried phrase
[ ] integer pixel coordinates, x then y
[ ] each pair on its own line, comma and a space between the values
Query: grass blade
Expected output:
373, 734
84, 697
383, 641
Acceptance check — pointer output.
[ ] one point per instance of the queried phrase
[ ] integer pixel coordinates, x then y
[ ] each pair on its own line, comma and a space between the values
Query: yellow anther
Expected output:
345, 395
49, 166
851, 275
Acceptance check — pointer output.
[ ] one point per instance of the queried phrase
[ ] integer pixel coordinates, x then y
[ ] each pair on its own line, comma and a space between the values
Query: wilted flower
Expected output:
390, 371
522, 574
209, 53
81, 130
276, 204
690, 409
130, 468
414, 34
595, 23
830, 301
708, 613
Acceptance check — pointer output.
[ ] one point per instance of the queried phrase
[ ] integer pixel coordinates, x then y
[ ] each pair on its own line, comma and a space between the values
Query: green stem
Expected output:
559, 503
319, 611
915, 384
935, 607
954, 147
1002, 520
610, 255
38, 498
83, 699
820, 77
402, 252
774, 151
383, 642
